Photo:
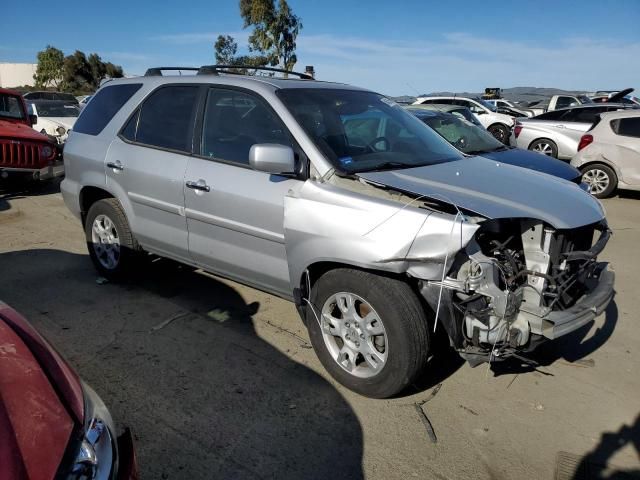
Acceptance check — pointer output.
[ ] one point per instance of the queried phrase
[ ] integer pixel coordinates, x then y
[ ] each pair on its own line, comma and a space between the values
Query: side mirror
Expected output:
272, 158
479, 112
33, 119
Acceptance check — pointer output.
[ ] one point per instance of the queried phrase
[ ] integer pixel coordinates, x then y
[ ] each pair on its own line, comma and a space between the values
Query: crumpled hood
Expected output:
496, 190
20, 131
535, 161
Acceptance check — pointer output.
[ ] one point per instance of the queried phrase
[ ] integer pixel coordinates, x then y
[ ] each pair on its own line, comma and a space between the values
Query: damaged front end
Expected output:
518, 282
503, 265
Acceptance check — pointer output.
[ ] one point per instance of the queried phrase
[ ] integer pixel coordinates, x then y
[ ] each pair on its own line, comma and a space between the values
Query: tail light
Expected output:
585, 141
517, 129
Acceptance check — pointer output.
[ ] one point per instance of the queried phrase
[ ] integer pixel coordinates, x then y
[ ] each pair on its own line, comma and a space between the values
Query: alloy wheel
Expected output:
105, 242
543, 148
354, 334
597, 179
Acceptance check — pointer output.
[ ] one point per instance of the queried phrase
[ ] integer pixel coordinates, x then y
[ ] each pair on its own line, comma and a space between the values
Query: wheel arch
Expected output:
604, 162
90, 194
317, 269
541, 138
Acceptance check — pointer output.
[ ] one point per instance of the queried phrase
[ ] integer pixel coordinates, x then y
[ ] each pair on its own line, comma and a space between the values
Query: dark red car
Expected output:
23, 151
52, 425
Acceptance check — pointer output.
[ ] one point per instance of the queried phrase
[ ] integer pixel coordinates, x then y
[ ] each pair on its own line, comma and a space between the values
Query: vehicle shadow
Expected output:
629, 194
595, 464
176, 356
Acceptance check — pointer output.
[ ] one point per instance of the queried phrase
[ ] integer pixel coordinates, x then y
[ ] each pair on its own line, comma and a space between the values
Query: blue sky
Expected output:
395, 47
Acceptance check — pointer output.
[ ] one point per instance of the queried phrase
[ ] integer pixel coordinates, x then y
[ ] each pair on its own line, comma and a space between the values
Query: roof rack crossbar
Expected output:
214, 69
157, 71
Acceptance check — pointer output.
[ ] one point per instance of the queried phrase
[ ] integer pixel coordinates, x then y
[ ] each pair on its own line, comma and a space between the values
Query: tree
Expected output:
274, 30
49, 71
226, 49
113, 71
98, 69
78, 75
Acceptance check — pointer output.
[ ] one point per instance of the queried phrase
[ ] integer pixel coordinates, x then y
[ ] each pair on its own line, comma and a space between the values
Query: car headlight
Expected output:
46, 151
61, 130
96, 455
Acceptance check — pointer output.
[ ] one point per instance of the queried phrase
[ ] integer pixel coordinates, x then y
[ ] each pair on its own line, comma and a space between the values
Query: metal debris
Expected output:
168, 321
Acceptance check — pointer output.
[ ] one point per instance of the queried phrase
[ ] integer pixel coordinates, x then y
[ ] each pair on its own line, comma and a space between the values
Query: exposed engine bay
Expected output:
510, 283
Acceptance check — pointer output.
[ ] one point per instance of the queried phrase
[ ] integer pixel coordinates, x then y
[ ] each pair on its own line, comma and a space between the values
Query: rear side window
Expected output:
104, 105
166, 118
627, 127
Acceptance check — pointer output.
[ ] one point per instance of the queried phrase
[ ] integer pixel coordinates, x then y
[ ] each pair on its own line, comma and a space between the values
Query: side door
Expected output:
147, 163
235, 214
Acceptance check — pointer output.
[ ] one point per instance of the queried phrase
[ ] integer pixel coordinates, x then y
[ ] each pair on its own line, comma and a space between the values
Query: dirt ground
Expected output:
218, 380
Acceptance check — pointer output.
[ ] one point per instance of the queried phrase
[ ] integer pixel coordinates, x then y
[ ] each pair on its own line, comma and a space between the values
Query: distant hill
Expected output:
516, 94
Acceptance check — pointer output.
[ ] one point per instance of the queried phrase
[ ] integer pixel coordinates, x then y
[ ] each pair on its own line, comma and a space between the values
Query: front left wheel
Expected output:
370, 332
111, 244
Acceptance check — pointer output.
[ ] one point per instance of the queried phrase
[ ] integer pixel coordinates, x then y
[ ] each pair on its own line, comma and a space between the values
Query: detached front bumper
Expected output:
128, 465
56, 169
558, 323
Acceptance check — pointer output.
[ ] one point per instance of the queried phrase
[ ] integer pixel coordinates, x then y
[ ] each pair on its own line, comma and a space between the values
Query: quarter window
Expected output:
234, 121
104, 105
627, 127
166, 118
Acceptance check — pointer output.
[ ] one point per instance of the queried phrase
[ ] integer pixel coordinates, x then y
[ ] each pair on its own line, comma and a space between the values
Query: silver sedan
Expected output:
558, 133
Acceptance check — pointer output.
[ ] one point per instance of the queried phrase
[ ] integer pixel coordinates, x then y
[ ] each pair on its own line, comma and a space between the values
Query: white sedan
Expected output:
54, 118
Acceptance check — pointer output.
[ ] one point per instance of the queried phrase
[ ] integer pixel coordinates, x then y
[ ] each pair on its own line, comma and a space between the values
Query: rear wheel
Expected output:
544, 146
369, 332
500, 132
602, 180
112, 247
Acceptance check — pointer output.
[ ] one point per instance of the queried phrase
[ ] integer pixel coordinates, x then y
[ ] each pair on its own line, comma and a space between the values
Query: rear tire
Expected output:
544, 146
112, 247
386, 316
500, 132
601, 178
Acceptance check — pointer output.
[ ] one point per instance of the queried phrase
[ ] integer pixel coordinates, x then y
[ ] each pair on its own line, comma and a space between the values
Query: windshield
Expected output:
463, 135
56, 109
11, 107
584, 99
363, 131
485, 104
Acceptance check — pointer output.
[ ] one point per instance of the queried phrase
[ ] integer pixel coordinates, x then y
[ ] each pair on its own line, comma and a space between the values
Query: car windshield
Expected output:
363, 131
485, 104
463, 135
11, 107
56, 109
584, 99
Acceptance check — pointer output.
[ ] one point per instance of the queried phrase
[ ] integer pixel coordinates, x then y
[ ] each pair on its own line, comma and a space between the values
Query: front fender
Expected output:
323, 222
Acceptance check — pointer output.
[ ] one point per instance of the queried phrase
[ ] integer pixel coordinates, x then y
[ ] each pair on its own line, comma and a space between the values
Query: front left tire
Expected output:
369, 331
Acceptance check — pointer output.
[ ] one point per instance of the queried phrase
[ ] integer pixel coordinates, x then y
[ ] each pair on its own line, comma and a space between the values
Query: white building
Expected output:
17, 74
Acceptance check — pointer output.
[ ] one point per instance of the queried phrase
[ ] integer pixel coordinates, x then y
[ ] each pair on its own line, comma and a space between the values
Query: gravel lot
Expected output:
218, 380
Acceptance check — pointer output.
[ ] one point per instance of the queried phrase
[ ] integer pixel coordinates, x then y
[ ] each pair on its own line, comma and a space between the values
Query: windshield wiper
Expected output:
387, 166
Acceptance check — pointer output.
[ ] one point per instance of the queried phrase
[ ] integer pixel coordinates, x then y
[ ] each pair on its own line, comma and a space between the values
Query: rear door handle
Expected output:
200, 185
117, 165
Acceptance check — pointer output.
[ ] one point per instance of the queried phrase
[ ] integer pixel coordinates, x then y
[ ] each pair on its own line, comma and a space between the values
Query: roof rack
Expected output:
233, 69
230, 69
157, 71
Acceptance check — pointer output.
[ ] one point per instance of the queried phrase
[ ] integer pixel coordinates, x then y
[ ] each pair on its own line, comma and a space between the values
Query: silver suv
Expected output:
339, 200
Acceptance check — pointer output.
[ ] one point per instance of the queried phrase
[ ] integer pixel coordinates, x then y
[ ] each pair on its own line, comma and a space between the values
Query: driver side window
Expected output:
234, 121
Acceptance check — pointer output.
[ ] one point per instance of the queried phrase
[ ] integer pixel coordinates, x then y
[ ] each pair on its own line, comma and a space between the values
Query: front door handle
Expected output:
200, 185
559, 126
117, 165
